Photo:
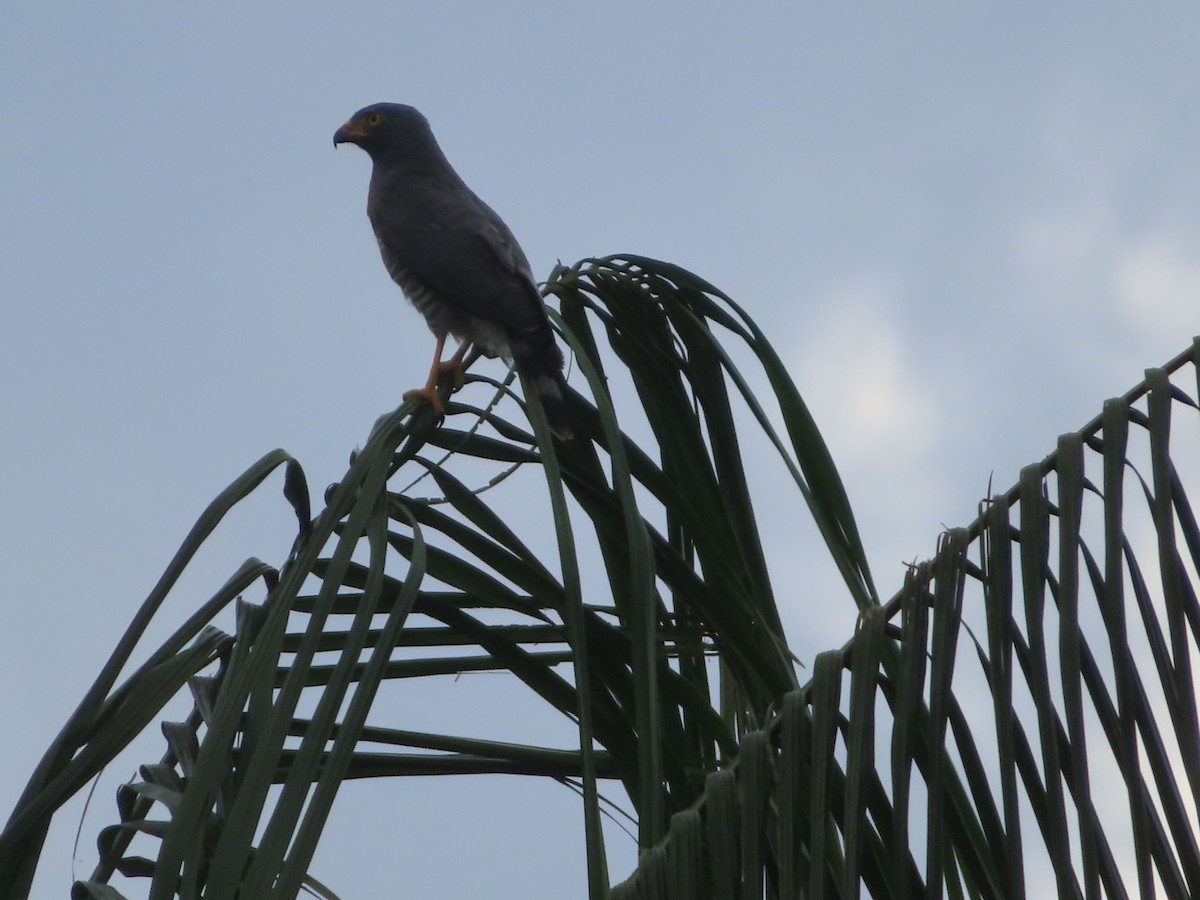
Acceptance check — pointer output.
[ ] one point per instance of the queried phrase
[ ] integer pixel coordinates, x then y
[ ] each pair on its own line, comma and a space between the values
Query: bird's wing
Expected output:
457, 246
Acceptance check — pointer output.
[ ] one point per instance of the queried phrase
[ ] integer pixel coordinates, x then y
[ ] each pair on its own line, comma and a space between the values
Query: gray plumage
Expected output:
452, 255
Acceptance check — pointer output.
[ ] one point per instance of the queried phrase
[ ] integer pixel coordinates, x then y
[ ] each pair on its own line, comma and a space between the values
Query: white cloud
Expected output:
1157, 286
881, 416
872, 403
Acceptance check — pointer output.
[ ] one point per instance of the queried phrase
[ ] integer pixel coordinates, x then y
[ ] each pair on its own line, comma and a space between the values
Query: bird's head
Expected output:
391, 132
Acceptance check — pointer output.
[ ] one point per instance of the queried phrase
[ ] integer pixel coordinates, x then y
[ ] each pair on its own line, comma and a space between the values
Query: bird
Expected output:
454, 258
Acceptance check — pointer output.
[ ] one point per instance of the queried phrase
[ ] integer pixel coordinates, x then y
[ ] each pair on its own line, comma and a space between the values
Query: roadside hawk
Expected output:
453, 257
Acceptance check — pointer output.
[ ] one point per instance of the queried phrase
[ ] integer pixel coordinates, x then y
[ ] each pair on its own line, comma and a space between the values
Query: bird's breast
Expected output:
414, 289
444, 317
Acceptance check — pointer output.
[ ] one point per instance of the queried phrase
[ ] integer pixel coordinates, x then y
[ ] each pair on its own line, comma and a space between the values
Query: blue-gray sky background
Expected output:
963, 225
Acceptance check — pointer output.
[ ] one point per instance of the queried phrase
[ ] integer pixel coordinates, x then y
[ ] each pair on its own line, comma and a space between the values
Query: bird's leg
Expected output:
453, 365
429, 392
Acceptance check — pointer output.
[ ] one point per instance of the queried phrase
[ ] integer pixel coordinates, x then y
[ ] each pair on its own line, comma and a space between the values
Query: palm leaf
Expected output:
954, 744
1042, 698
623, 654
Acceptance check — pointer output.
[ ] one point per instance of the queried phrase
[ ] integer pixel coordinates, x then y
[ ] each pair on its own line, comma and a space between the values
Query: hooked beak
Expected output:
348, 134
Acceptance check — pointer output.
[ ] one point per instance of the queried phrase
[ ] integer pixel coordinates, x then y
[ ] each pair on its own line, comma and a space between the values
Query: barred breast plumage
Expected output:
442, 317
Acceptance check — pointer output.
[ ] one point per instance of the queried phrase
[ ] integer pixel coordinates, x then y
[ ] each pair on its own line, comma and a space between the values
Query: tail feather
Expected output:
541, 363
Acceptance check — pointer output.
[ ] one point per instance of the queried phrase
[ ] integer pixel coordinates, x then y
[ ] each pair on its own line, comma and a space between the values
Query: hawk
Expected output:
453, 257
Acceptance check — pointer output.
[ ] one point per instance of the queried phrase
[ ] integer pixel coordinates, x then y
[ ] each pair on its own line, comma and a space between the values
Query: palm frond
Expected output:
624, 653
1039, 703
965, 741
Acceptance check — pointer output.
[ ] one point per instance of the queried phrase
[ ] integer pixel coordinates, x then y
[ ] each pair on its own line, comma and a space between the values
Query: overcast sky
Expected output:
963, 225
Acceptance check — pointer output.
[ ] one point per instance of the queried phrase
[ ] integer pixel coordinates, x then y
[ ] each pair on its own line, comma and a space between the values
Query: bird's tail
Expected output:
540, 361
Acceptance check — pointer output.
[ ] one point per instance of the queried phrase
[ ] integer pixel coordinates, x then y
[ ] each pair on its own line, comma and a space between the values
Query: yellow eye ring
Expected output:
374, 118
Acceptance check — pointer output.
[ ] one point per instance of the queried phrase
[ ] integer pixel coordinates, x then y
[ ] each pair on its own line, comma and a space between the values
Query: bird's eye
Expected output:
374, 119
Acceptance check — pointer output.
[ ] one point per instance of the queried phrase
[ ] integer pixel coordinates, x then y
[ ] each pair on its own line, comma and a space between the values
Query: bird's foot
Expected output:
453, 366
429, 392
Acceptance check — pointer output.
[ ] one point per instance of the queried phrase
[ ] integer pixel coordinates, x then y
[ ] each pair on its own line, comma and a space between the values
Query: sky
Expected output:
963, 227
